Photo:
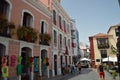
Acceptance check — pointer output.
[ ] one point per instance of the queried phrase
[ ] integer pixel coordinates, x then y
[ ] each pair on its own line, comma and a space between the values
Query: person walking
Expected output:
101, 72
72, 68
79, 67
63, 68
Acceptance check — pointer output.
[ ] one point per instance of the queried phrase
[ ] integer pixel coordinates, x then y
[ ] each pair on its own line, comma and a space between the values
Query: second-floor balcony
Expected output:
45, 39
72, 30
103, 46
73, 45
73, 36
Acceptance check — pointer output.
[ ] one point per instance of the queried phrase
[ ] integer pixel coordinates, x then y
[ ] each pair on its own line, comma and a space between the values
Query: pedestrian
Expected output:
101, 72
72, 68
79, 67
63, 68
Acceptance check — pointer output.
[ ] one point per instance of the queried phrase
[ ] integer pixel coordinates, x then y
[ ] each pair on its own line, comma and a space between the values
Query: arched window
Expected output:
61, 41
4, 8
65, 44
60, 22
55, 38
27, 19
64, 22
69, 43
54, 17
44, 27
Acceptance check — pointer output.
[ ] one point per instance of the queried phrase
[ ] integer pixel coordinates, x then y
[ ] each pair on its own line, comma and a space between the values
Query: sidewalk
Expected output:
108, 76
63, 77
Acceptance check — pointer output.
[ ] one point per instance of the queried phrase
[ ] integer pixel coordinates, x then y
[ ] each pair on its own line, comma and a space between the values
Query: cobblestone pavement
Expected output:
86, 74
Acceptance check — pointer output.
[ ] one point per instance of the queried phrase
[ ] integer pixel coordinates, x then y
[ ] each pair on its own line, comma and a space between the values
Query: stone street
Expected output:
86, 74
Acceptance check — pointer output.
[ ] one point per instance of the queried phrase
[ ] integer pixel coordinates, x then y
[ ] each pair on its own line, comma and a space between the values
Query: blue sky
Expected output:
92, 16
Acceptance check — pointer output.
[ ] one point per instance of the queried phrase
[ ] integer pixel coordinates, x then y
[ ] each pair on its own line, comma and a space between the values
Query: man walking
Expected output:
101, 72
79, 67
63, 68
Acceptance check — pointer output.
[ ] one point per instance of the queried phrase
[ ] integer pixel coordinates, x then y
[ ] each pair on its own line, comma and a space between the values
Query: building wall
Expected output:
14, 46
56, 27
40, 10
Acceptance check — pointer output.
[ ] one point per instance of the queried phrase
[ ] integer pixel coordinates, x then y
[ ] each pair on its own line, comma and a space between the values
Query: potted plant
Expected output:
27, 34
44, 38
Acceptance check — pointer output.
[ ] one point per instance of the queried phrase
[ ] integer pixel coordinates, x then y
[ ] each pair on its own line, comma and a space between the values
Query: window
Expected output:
64, 26
65, 41
55, 38
97, 60
68, 29
116, 32
60, 24
54, 17
4, 8
102, 43
44, 27
103, 53
60, 41
27, 19
68, 43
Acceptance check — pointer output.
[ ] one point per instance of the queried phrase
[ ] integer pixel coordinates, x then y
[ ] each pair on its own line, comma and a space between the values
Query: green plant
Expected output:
27, 34
44, 38
3, 23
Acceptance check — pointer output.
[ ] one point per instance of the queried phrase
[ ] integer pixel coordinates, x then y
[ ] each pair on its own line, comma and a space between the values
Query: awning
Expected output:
85, 59
111, 59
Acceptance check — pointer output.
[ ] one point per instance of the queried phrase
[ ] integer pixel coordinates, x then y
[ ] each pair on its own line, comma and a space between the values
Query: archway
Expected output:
55, 64
26, 53
43, 63
61, 61
2, 53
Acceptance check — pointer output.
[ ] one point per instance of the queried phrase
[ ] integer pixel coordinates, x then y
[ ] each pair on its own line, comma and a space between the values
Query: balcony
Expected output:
45, 39
73, 36
6, 28
103, 46
72, 30
27, 34
73, 45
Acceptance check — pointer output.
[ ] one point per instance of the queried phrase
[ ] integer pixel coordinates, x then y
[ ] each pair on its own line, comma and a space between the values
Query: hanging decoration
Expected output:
19, 66
4, 71
30, 63
4, 61
47, 61
13, 60
36, 64
19, 59
44, 61
19, 69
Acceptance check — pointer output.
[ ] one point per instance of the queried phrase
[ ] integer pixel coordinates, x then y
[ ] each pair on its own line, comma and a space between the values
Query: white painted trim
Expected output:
25, 10
29, 45
5, 42
36, 8
45, 27
10, 9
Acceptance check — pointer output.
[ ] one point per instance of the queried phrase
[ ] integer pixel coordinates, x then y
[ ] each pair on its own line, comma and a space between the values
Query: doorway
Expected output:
55, 64
61, 61
43, 63
26, 53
